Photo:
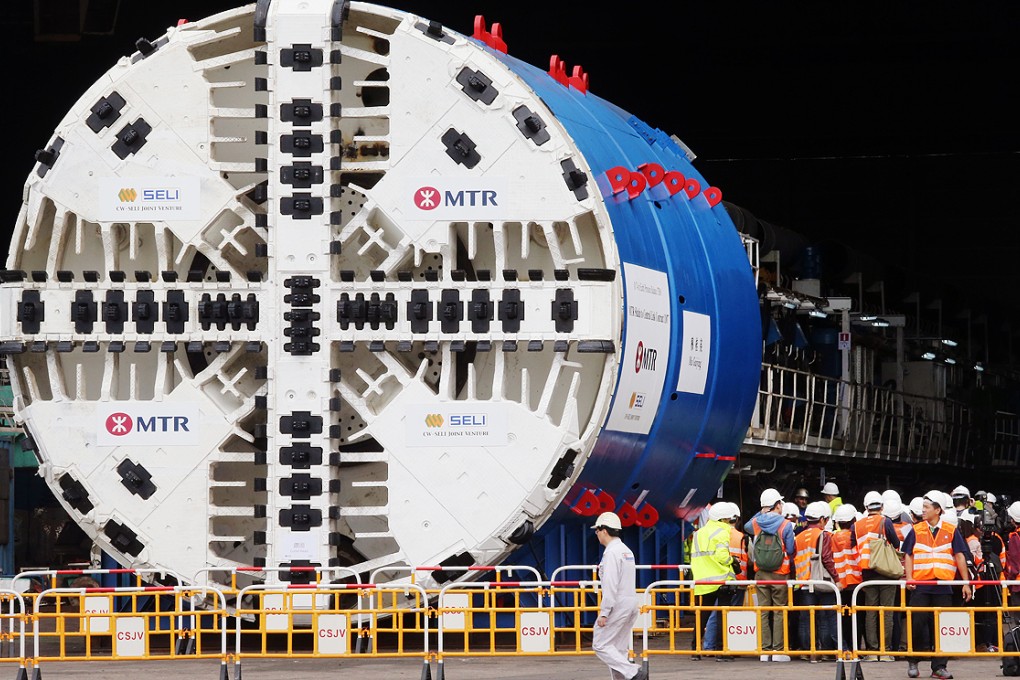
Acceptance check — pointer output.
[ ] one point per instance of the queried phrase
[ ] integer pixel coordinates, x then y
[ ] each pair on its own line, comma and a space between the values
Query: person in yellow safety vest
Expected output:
711, 566
873, 526
771, 521
830, 492
934, 552
844, 553
814, 545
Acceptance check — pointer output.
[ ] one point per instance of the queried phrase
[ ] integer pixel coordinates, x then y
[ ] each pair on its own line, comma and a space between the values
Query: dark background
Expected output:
888, 136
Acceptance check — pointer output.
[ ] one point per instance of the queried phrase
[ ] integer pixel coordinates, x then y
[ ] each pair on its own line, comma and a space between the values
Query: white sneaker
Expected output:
766, 657
780, 657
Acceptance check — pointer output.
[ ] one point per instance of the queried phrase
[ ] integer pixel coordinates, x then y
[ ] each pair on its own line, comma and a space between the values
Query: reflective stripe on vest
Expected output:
784, 568
867, 528
933, 555
806, 542
845, 556
695, 552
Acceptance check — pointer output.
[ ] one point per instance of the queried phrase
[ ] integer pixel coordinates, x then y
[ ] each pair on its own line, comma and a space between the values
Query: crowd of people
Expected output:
935, 538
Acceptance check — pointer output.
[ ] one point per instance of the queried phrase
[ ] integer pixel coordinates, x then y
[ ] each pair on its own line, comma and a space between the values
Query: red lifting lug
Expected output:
587, 504
480, 30
653, 172
606, 501
579, 80
627, 514
636, 185
714, 196
558, 69
647, 516
619, 178
496, 36
693, 187
181, 22
674, 182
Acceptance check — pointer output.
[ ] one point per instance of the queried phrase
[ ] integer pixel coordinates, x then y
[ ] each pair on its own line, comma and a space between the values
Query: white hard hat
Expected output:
960, 492
770, 497
951, 518
719, 511
891, 495
917, 505
967, 515
830, 489
844, 513
610, 520
991, 498
859, 516
893, 510
734, 511
1014, 512
817, 510
791, 509
872, 500
937, 498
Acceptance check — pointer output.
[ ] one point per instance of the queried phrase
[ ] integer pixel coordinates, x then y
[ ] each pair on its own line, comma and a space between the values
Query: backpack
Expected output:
767, 550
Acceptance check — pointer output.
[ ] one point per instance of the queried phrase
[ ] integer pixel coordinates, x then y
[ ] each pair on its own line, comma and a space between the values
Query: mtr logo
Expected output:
434, 420
121, 424
430, 198
127, 195
645, 358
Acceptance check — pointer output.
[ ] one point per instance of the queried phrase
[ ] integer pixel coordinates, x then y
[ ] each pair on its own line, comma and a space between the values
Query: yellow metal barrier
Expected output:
12, 630
740, 625
953, 629
320, 620
133, 623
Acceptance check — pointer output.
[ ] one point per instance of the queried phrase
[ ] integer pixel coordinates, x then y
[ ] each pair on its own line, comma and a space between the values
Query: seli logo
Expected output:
645, 358
430, 198
637, 400
434, 420
120, 424
160, 195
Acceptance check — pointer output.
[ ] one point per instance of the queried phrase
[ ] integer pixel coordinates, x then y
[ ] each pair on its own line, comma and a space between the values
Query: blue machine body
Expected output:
680, 463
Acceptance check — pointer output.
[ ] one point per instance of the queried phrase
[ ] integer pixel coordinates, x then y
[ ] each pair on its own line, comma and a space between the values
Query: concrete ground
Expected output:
500, 668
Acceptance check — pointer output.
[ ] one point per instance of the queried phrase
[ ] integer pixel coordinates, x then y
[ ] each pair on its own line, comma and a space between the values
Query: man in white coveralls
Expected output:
614, 629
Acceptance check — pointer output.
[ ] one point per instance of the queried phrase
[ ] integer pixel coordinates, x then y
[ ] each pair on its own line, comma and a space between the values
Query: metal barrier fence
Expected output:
319, 620
494, 618
946, 628
12, 630
132, 623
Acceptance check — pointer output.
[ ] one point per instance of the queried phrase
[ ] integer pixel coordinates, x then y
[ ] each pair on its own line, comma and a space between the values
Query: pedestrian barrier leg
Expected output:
22, 674
439, 670
849, 669
426, 670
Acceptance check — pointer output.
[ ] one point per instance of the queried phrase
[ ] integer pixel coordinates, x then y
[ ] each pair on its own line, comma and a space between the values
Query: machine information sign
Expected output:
844, 342
695, 353
646, 351
741, 630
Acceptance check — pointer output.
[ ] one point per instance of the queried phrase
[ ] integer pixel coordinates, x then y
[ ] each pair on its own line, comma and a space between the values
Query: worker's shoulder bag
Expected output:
885, 559
818, 571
